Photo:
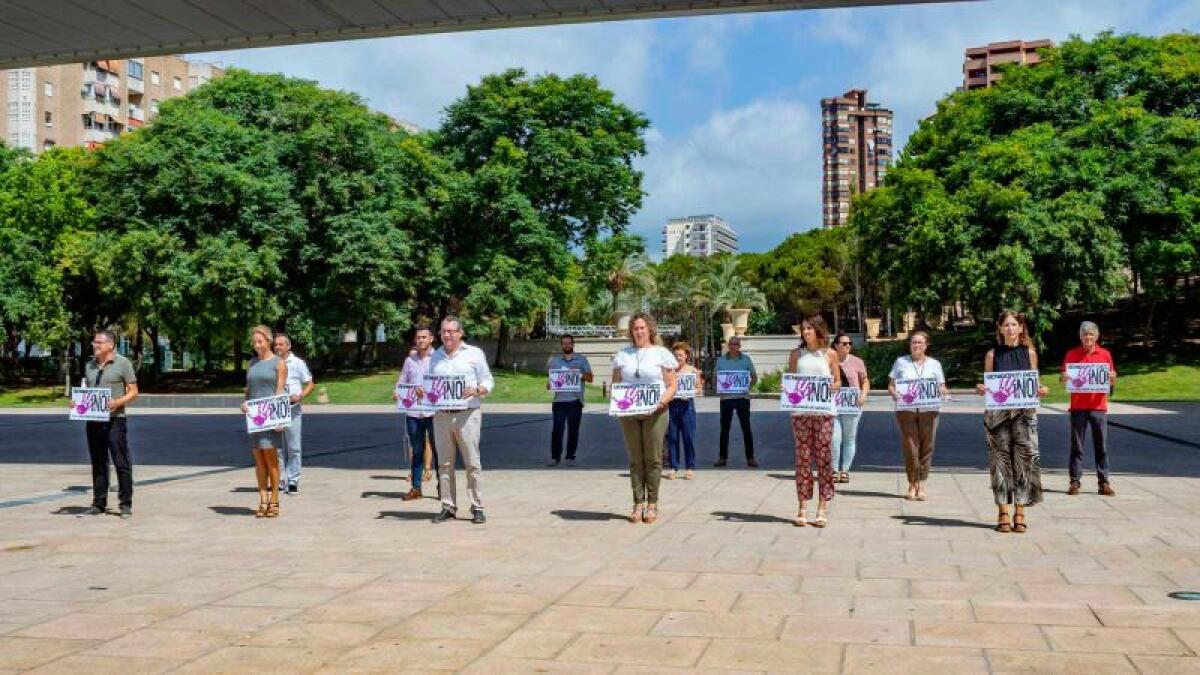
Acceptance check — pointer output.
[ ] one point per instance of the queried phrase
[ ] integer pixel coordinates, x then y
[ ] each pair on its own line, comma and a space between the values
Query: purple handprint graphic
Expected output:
627, 400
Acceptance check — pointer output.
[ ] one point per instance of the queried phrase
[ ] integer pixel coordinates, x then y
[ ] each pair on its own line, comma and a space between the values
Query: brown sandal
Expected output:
1019, 525
273, 510
262, 510
1002, 525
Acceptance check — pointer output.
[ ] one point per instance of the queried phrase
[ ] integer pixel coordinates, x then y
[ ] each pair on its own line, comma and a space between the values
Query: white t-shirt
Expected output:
298, 374
905, 369
644, 365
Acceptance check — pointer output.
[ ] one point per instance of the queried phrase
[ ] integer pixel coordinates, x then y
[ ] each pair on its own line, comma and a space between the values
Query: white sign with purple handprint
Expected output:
268, 413
1088, 378
1011, 390
90, 404
922, 393
807, 394
685, 386
634, 399
566, 380
733, 381
407, 399
446, 392
846, 401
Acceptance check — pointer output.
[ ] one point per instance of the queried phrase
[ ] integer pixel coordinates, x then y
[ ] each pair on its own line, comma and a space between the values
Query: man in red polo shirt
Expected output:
1089, 410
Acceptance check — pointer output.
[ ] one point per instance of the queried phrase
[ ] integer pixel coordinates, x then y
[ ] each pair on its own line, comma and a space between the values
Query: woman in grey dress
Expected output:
265, 377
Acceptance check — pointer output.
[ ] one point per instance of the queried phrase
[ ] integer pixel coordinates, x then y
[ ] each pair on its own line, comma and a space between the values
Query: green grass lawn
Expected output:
32, 397
1140, 382
376, 388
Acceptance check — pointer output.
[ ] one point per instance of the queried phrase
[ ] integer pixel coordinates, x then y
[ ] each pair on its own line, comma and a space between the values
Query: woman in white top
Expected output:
918, 427
814, 431
645, 362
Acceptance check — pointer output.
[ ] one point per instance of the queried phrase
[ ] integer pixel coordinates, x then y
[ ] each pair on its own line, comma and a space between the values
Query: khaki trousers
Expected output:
917, 433
644, 436
458, 432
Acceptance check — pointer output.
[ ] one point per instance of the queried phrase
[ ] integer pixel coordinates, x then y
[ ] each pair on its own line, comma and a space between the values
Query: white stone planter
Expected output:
726, 332
873, 326
741, 320
621, 321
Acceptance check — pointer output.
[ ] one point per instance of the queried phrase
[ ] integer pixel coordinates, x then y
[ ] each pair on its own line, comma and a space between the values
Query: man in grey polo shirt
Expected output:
568, 405
735, 360
109, 370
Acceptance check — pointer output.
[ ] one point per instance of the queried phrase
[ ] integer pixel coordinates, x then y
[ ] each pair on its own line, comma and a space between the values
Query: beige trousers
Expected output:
458, 432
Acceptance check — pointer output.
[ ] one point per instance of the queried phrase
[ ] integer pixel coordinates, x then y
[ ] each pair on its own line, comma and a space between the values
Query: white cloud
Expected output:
757, 166
415, 77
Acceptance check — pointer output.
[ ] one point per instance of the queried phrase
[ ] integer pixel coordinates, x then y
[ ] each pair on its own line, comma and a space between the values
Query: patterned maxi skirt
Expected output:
1013, 459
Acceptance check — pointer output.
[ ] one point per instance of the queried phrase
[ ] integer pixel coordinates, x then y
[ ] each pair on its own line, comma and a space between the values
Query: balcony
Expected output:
135, 86
137, 114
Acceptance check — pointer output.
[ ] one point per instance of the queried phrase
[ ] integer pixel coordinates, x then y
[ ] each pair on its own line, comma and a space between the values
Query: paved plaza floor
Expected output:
350, 579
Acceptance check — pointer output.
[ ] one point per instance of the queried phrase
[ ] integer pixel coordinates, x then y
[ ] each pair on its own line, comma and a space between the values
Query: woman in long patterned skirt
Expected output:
1012, 435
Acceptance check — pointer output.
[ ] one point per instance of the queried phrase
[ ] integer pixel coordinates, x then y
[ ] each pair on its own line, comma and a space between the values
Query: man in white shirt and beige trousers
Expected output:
457, 431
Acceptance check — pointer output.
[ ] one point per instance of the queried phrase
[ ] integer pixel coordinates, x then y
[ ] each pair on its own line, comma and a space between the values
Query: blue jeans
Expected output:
289, 452
845, 429
681, 434
419, 429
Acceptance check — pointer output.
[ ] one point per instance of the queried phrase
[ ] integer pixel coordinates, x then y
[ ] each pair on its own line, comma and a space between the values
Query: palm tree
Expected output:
730, 291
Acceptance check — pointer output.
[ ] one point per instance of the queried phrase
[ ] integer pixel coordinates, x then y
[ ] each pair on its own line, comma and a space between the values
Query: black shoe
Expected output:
293, 489
126, 512
477, 517
719, 462
553, 462
96, 511
570, 461
445, 515
752, 463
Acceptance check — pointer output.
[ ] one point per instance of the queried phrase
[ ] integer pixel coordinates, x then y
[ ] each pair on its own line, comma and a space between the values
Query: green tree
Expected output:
1042, 192
808, 272
542, 164
616, 265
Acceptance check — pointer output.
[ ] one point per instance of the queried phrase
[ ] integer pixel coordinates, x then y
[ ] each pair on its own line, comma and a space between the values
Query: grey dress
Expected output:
260, 381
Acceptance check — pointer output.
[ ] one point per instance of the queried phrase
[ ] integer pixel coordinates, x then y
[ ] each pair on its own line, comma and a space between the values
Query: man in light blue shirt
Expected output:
299, 385
736, 399
568, 405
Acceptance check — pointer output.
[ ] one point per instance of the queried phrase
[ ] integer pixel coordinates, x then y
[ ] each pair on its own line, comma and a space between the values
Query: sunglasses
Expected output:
845, 344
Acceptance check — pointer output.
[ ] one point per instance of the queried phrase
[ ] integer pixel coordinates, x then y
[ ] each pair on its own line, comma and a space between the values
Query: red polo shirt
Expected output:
1097, 355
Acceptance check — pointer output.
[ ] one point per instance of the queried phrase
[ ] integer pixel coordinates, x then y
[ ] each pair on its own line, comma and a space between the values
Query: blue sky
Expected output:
733, 99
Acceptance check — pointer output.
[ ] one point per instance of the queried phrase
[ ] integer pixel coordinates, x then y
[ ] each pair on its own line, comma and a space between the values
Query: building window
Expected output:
177, 83
49, 119
135, 69
48, 88
154, 106
155, 78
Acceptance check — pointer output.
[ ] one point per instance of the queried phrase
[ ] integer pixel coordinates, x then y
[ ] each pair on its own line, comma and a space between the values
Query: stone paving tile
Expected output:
160, 643
87, 626
163, 605
1034, 612
807, 605
414, 655
1093, 594
906, 608
272, 596
216, 618
744, 565
261, 659
872, 631
1190, 637
899, 660
593, 596
22, 653
1166, 665
1094, 640
503, 665
926, 572
720, 581
633, 577
971, 634
488, 602
526, 643
489, 628
703, 624
635, 650
311, 634
343, 611
886, 588
105, 665
767, 655
1005, 661
1150, 617
701, 600
618, 620
658, 670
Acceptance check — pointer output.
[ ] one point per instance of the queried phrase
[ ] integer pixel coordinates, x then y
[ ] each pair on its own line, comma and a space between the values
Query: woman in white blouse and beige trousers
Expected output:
645, 362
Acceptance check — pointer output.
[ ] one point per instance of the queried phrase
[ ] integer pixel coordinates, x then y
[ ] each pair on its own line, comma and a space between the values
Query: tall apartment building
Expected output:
85, 104
857, 151
981, 65
699, 236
